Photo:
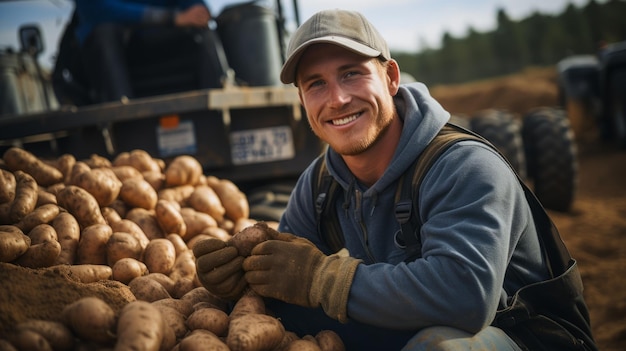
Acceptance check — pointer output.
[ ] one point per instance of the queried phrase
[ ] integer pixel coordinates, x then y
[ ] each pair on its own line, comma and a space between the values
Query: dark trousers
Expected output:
134, 61
356, 336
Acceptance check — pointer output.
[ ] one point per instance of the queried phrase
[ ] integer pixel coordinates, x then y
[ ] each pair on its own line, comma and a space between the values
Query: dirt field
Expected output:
595, 229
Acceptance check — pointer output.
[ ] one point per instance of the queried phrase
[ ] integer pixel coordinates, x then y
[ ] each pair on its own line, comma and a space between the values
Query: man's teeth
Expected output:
342, 121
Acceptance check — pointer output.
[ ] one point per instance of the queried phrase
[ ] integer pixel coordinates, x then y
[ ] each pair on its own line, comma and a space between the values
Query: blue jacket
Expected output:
478, 235
94, 12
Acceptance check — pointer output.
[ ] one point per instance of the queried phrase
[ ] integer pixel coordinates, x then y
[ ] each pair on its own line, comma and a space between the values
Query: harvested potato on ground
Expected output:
288, 338
127, 269
40, 215
179, 305
102, 183
78, 168
205, 199
201, 340
156, 179
64, 163
212, 319
45, 197
218, 233
92, 246
25, 196
234, 200
147, 289
42, 233
57, 334
195, 222
110, 215
146, 220
249, 237
26, 339
122, 245
68, 232
201, 294
137, 192
140, 327
90, 273
303, 345
139, 159
7, 186
167, 282
40, 255
13, 243
249, 303
184, 266
80, 203
169, 217
328, 340
178, 194
160, 256
97, 161
254, 332
125, 172
128, 226
178, 242
120, 207
184, 285
19, 159
174, 319
90, 318
183, 170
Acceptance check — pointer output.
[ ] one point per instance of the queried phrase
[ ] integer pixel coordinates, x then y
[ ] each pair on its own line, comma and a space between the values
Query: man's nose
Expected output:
338, 96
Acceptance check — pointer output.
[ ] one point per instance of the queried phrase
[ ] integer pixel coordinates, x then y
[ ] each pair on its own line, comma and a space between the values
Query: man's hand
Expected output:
293, 270
194, 16
219, 268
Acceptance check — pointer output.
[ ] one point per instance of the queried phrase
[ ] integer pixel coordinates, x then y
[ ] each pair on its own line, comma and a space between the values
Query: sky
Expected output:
408, 25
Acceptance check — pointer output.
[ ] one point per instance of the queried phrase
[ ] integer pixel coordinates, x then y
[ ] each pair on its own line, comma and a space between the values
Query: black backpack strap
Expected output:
325, 190
407, 192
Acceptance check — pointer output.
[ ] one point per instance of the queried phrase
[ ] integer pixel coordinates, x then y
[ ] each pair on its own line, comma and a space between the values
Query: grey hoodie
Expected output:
479, 243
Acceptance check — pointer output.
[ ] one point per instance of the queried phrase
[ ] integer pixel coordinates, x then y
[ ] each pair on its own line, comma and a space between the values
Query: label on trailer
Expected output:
177, 140
261, 145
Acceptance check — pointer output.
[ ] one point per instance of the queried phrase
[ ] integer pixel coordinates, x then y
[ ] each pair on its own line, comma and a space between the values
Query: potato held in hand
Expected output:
249, 237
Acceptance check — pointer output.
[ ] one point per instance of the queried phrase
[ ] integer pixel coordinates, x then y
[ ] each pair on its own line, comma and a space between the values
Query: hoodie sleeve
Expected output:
474, 212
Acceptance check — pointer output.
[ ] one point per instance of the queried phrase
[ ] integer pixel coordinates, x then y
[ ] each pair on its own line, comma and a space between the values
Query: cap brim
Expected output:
288, 71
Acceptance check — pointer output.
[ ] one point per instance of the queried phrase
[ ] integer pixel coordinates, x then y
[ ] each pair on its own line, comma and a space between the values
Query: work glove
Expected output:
294, 270
219, 268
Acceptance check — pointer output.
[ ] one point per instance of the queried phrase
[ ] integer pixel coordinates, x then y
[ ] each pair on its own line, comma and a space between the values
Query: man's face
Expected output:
348, 97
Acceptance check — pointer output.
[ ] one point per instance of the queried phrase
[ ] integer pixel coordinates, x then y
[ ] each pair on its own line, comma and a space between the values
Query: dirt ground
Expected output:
595, 229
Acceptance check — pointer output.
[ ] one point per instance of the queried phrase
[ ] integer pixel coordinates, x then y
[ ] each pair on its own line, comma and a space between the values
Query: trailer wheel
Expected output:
267, 203
504, 132
617, 106
551, 157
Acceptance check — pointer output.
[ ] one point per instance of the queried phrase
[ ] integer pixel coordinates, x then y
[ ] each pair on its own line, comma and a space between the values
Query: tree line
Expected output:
537, 40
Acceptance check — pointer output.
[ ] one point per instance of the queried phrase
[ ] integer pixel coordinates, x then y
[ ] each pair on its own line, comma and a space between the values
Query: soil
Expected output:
594, 230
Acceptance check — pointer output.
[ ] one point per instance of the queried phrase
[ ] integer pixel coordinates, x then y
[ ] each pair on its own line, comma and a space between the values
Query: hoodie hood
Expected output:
423, 117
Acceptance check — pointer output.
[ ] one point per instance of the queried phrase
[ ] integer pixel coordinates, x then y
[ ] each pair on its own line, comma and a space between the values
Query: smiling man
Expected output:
478, 239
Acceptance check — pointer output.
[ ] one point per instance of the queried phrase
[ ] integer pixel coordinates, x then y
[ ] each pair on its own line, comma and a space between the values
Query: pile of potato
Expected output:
133, 220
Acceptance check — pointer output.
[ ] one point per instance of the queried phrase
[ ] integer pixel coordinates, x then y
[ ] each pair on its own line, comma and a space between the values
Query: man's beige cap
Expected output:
348, 29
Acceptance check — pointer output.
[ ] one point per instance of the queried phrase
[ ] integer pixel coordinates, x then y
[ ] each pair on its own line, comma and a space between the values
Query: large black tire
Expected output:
504, 132
551, 157
617, 106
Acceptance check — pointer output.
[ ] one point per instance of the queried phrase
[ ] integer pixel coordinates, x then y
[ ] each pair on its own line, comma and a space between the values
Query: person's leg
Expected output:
105, 62
451, 339
355, 336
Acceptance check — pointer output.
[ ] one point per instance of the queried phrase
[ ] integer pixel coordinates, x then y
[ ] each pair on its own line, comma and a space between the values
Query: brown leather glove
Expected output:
219, 268
294, 270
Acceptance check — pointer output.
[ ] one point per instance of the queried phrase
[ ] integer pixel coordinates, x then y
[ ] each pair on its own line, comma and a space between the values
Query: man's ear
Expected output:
393, 73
